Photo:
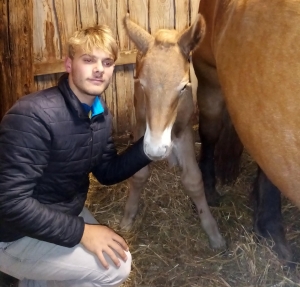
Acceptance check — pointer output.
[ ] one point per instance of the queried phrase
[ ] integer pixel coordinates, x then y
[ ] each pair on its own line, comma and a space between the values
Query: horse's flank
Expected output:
255, 46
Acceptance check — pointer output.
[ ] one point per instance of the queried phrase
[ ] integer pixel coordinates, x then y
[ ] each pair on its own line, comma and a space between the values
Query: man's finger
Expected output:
102, 260
120, 240
113, 256
119, 249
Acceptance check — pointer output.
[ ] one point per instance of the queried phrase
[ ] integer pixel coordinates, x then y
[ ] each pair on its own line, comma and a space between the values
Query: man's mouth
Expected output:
96, 80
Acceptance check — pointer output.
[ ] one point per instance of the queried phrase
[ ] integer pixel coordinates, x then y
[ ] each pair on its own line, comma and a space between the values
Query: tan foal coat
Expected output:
163, 109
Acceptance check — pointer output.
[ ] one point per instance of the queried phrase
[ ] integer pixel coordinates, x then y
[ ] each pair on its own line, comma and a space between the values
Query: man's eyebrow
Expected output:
89, 55
95, 57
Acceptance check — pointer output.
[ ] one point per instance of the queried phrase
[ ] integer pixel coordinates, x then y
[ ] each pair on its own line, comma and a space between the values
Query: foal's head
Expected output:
163, 73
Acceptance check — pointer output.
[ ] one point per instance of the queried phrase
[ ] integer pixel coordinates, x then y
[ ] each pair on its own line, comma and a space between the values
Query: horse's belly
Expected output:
257, 59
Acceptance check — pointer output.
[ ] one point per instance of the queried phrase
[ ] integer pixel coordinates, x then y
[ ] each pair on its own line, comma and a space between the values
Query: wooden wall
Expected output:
34, 34
16, 51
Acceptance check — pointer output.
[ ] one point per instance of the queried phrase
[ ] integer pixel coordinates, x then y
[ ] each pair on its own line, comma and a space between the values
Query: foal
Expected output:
163, 109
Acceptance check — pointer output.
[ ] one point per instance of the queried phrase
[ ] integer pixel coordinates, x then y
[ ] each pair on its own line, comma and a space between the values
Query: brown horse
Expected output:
163, 109
249, 60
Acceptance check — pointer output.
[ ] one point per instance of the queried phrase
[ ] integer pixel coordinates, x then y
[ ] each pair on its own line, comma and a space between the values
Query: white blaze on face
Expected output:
157, 147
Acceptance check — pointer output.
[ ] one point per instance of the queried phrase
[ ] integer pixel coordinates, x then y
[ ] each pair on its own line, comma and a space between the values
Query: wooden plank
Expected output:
194, 9
124, 76
88, 14
46, 81
122, 37
46, 41
120, 99
20, 30
16, 56
125, 105
138, 11
67, 21
5, 56
6, 100
182, 8
44, 68
161, 15
106, 13
110, 97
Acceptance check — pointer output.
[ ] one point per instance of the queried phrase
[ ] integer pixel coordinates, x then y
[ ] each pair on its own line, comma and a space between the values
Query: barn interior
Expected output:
168, 245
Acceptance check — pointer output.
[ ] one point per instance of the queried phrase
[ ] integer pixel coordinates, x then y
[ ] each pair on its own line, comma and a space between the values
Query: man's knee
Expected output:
121, 274
114, 277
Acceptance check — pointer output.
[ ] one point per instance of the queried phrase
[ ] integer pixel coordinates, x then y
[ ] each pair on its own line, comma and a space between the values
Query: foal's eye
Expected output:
183, 89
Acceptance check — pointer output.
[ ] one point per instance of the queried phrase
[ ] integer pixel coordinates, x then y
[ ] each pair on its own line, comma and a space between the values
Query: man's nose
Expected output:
99, 67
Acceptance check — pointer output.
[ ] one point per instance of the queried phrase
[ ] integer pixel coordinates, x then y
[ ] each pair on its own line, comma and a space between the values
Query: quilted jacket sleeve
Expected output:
115, 167
25, 141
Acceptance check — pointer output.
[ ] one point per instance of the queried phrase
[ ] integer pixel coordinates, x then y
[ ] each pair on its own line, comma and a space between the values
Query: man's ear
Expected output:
68, 64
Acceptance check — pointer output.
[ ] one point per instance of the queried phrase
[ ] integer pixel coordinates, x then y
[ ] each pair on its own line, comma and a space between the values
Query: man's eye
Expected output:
87, 60
108, 63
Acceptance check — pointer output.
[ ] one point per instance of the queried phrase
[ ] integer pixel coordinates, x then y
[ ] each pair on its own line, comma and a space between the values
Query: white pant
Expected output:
41, 264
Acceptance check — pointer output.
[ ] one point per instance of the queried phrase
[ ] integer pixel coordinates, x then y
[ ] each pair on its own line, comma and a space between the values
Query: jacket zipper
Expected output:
91, 145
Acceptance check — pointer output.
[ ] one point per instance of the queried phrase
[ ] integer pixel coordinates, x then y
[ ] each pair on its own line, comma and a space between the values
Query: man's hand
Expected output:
99, 238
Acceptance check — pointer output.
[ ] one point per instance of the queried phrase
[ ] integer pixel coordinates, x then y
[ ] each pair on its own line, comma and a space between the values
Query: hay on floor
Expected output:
169, 247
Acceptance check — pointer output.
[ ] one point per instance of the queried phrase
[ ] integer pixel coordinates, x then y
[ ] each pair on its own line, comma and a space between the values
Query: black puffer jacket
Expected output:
48, 147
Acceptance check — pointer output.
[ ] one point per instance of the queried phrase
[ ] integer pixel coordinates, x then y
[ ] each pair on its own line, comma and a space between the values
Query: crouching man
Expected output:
49, 143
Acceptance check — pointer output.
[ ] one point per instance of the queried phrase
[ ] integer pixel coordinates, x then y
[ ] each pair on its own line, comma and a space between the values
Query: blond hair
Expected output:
87, 39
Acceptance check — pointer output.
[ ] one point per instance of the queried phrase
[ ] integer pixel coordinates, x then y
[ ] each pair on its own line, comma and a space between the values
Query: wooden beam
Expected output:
16, 53
5, 56
44, 68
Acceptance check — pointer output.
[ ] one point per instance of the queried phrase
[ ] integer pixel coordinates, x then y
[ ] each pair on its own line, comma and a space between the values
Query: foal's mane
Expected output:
166, 37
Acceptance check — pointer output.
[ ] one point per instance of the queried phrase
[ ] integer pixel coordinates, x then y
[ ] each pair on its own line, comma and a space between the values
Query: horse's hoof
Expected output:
126, 225
284, 253
275, 237
218, 243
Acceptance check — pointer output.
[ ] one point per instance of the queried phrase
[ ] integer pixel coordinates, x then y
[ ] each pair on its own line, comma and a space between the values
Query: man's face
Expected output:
89, 74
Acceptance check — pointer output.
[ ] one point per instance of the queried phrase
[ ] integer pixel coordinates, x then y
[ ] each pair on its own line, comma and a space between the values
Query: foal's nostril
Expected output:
156, 152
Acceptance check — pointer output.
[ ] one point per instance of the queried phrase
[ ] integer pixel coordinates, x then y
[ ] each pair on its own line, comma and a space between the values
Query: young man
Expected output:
49, 143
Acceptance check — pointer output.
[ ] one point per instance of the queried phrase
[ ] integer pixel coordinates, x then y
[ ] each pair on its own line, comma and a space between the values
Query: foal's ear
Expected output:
140, 37
192, 36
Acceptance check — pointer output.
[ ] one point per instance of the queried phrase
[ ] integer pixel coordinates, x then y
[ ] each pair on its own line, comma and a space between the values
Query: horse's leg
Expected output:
228, 151
136, 184
192, 181
138, 180
211, 105
267, 214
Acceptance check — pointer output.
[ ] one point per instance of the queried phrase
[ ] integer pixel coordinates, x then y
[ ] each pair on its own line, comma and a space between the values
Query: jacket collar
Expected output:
70, 98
